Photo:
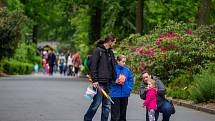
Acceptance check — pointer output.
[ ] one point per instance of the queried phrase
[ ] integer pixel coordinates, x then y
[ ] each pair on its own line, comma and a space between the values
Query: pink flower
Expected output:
152, 49
146, 52
141, 63
132, 49
151, 60
162, 36
140, 50
152, 54
173, 46
189, 32
158, 42
163, 49
169, 35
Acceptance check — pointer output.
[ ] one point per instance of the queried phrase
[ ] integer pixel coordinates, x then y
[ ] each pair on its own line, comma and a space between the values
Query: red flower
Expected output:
163, 49
162, 36
132, 49
189, 32
151, 60
152, 54
152, 49
173, 46
140, 50
169, 35
158, 42
146, 52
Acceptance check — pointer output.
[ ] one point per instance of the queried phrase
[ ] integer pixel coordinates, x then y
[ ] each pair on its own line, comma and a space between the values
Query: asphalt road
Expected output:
60, 98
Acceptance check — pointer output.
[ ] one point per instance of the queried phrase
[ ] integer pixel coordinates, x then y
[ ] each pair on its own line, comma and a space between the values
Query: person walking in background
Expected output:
102, 71
76, 63
163, 105
150, 102
121, 90
36, 68
51, 62
70, 64
62, 61
44, 66
47, 68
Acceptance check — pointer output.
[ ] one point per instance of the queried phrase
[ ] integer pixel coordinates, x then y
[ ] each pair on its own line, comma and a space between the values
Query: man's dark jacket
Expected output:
51, 59
161, 91
102, 66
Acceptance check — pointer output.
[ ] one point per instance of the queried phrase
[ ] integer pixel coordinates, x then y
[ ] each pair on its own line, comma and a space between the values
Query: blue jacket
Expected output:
119, 90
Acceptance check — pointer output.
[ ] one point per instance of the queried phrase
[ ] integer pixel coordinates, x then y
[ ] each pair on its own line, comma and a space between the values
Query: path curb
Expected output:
188, 105
193, 106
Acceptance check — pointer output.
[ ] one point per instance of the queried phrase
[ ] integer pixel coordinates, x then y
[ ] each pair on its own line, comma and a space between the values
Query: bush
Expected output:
27, 53
179, 93
23, 60
178, 88
172, 47
11, 66
204, 85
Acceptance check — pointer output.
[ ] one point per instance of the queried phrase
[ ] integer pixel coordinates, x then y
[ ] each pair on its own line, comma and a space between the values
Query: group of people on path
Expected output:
67, 65
70, 65
116, 79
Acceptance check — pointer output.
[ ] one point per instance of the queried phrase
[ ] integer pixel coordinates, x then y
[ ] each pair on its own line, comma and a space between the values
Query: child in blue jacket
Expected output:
121, 90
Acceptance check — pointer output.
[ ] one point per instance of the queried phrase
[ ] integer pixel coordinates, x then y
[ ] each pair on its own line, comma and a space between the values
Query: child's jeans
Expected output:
151, 114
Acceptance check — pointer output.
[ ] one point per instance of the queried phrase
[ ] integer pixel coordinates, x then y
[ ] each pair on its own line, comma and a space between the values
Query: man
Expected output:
51, 61
163, 105
102, 70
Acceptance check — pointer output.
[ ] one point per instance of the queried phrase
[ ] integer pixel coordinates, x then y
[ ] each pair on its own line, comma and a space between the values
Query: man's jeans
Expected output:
165, 109
97, 99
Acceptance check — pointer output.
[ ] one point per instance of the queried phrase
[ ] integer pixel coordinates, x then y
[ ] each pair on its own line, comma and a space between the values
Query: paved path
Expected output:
59, 98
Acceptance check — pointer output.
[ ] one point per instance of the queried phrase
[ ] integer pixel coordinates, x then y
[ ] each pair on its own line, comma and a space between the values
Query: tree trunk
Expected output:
34, 35
139, 17
2, 3
204, 12
95, 25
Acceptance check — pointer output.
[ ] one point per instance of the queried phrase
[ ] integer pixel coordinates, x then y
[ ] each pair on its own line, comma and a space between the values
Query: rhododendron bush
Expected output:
171, 49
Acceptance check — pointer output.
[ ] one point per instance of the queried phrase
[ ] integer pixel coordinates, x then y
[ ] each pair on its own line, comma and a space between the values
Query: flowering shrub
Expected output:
171, 49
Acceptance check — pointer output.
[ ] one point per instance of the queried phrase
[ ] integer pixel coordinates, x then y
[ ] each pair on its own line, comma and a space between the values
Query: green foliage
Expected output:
10, 31
14, 5
24, 52
80, 38
22, 61
11, 66
203, 89
27, 53
119, 18
179, 93
178, 88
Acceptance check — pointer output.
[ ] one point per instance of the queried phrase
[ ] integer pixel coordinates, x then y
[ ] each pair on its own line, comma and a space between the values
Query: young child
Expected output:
44, 66
36, 68
150, 102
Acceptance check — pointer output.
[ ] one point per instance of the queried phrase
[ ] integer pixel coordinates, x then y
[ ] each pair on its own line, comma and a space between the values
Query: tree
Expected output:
95, 22
2, 3
10, 31
204, 12
139, 16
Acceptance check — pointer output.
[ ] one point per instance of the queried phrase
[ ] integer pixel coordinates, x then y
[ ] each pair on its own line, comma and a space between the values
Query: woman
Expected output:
76, 63
121, 89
